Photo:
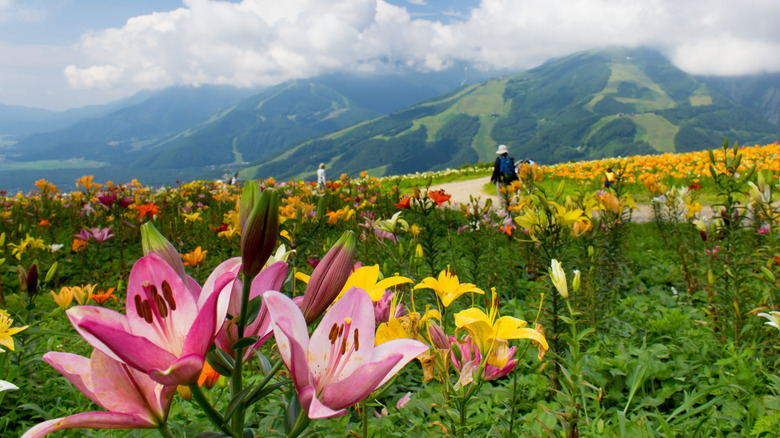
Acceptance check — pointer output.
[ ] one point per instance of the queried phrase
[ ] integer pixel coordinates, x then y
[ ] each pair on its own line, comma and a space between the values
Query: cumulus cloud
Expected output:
262, 42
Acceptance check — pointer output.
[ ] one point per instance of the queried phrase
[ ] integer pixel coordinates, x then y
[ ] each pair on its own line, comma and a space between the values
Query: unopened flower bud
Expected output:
329, 277
154, 242
438, 337
322, 206
32, 280
558, 277
575, 284
249, 197
259, 234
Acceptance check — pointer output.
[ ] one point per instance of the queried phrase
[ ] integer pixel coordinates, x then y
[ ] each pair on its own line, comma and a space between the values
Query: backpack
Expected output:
506, 168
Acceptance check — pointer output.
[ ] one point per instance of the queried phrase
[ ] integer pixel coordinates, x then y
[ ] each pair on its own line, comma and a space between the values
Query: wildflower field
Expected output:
376, 307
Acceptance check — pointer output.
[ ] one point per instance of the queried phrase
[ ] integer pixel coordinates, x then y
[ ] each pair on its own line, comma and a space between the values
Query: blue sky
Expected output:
59, 54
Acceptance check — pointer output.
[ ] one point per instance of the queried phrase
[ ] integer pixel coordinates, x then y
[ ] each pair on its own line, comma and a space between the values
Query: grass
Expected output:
656, 130
481, 99
631, 73
73, 163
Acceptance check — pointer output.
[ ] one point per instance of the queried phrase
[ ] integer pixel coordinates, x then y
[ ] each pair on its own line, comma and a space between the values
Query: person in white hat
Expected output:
321, 176
503, 172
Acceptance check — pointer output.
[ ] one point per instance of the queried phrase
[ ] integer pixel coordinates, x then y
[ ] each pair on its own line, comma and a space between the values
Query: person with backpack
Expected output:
503, 171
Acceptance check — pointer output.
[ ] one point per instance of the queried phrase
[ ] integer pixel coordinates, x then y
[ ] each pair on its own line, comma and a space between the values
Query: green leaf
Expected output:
253, 308
236, 401
245, 342
265, 364
220, 361
256, 397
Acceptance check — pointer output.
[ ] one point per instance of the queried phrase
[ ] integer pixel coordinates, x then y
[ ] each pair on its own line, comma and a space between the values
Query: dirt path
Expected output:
460, 191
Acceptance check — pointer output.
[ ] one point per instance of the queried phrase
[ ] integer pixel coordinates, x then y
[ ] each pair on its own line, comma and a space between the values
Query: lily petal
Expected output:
92, 420
358, 385
408, 348
117, 343
292, 335
316, 409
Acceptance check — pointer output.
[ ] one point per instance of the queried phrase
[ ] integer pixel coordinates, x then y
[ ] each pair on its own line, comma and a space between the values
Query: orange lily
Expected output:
194, 257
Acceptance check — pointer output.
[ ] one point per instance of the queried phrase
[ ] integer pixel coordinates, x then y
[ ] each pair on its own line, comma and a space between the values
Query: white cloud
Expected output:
11, 10
261, 42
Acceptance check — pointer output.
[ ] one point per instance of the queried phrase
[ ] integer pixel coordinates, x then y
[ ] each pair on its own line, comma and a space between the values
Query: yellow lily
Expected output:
191, 217
485, 329
447, 287
6, 331
366, 278
405, 327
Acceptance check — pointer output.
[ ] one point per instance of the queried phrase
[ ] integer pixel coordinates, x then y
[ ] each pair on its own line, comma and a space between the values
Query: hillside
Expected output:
125, 132
760, 93
183, 133
588, 105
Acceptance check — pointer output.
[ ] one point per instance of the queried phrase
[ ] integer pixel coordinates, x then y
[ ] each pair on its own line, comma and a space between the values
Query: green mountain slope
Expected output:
761, 93
123, 133
588, 105
258, 125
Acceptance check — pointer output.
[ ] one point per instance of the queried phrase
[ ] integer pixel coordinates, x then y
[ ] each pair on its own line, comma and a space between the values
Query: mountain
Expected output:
760, 93
125, 132
289, 113
589, 105
20, 121
186, 132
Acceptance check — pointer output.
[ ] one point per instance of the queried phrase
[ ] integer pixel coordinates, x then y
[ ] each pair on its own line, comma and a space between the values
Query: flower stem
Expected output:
364, 410
214, 416
165, 431
236, 383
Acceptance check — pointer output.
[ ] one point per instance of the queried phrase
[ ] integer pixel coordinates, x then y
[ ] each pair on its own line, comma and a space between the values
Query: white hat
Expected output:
502, 150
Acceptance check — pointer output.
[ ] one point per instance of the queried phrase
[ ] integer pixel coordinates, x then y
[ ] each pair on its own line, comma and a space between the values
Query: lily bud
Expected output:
154, 242
322, 206
249, 197
329, 277
439, 339
32, 280
575, 284
558, 277
259, 234
755, 193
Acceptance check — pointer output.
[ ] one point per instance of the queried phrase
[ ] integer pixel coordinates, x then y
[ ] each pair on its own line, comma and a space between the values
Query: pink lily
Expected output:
83, 235
167, 329
339, 366
383, 307
107, 200
132, 399
270, 278
101, 234
472, 358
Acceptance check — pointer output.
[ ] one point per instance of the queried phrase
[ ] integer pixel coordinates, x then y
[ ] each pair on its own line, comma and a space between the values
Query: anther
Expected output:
139, 306
168, 294
147, 312
334, 333
162, 309
356, 339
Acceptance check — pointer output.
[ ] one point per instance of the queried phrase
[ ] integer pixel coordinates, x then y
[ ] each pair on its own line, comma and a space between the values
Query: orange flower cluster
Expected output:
656, 167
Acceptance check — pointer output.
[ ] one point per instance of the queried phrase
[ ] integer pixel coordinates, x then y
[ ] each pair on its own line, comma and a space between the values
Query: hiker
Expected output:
503, 171
321, 176
609, 178
234, 179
